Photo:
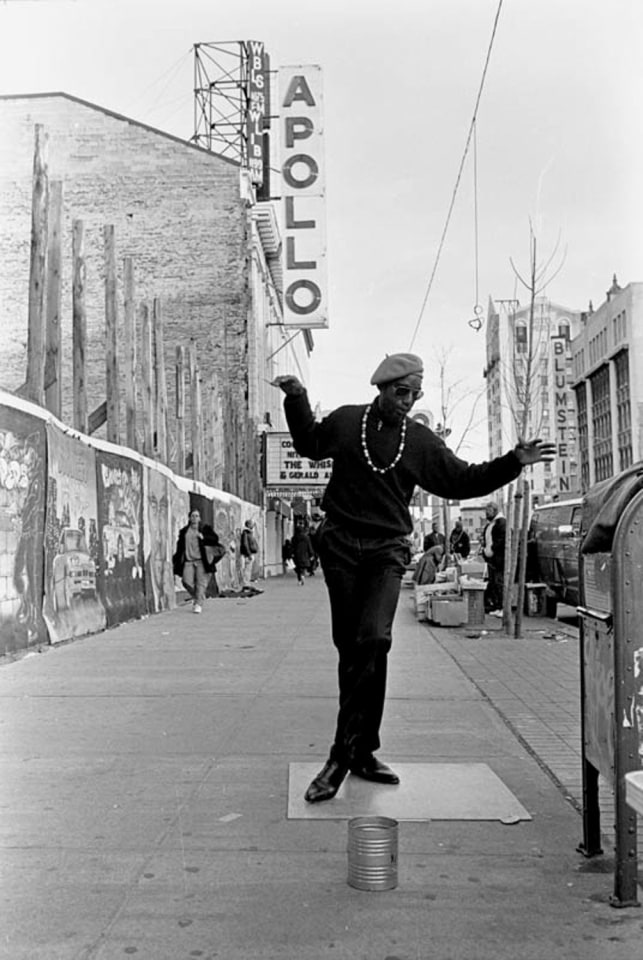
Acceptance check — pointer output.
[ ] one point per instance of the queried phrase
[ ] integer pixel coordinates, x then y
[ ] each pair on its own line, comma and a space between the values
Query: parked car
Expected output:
554, 540
74, 571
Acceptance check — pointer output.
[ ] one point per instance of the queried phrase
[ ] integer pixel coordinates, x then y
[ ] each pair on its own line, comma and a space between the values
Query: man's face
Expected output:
397, 398
195, 518
490, 511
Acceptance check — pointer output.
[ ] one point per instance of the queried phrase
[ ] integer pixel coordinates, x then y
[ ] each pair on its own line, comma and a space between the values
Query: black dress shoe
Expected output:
327, 782
370, 768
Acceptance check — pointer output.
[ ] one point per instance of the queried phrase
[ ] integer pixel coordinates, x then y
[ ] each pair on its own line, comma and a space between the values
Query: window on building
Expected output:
583, 439
563, 330
623, 409
602, 423
521, 337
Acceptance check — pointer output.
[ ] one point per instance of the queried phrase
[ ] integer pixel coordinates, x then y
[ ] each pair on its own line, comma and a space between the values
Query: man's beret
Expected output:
396, 366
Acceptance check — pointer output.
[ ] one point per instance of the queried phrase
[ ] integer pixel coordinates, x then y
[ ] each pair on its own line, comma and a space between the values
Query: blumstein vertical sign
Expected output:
304, 197
563, 412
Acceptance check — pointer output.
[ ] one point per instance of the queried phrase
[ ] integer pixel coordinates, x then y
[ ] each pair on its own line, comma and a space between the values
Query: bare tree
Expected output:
453, 395
524, 375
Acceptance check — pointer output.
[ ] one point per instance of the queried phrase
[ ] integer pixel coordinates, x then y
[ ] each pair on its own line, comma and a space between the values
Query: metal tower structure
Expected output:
231, 103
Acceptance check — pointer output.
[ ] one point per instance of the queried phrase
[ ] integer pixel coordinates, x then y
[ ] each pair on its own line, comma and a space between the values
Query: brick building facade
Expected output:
185, 218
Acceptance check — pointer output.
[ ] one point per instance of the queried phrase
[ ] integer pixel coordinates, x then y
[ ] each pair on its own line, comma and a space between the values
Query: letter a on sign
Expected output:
298, 89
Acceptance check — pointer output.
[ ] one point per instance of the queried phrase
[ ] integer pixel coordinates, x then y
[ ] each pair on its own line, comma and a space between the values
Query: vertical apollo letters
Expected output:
304, 199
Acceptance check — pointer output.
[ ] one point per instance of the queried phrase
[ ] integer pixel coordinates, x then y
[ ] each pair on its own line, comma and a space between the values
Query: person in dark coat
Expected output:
303, 554
190, 561
380, 456
459, 541
433, 539
248, 548
493, 551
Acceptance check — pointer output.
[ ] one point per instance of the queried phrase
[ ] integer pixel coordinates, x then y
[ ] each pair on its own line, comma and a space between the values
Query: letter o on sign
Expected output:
313, 290
291, 179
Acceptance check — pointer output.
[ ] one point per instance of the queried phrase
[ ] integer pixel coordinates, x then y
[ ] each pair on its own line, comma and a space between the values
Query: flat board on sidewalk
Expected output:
427, 791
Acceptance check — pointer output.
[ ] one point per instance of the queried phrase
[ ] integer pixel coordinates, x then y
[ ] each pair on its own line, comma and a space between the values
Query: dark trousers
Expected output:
363, 578
493, 595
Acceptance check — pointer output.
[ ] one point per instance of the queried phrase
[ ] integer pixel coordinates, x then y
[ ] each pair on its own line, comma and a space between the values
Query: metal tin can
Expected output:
372, 853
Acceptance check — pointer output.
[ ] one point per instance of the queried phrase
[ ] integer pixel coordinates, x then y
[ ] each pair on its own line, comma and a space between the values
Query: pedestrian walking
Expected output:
303, 554
493, 551
191, 561
380, 455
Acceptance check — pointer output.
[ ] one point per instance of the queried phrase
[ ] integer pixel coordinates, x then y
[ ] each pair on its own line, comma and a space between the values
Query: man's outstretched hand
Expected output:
290, 385
535, 451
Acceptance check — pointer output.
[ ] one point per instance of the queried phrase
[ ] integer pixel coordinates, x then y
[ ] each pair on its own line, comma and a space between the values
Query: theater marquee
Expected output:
304, 197
285, 468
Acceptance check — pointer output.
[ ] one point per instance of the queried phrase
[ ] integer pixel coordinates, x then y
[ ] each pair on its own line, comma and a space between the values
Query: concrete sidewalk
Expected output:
144, 796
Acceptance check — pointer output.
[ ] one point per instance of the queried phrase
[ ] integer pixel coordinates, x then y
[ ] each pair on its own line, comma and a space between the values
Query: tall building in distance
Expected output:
607, 372
529, 374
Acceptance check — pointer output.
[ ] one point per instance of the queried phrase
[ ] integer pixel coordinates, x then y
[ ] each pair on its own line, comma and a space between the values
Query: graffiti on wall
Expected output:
157, 541
22, 508
71, 604
120, 532
87, 535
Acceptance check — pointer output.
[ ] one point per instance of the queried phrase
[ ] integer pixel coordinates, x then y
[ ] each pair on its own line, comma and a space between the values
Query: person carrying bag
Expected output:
197, 553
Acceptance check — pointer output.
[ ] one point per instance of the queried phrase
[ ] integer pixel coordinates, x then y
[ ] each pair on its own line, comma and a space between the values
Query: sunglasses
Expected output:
405, 391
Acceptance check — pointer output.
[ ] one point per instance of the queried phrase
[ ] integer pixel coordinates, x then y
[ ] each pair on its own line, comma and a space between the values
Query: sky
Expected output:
559, 148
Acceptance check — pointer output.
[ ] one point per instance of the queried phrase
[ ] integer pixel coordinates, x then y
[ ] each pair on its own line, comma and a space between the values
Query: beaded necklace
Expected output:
400, 449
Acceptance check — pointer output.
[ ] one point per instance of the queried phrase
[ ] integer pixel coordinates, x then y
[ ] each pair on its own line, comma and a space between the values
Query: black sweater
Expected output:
372, 504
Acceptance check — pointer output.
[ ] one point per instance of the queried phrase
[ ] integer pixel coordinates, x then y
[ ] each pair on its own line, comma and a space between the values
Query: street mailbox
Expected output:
611, 637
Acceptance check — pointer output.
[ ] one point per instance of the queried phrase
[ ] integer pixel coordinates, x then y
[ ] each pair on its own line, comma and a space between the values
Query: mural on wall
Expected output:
71, 604
158, 542
120, 533
22, 508
87, 535
179, 513
225, 525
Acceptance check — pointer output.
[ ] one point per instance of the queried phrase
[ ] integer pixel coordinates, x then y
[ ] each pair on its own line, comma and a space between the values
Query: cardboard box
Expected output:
473, 568
449, 613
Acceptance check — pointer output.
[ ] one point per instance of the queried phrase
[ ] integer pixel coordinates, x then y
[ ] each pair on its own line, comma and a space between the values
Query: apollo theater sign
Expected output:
304, 197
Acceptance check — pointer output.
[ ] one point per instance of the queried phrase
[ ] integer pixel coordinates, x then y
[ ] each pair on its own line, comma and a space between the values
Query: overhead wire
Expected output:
459, 176
168, 76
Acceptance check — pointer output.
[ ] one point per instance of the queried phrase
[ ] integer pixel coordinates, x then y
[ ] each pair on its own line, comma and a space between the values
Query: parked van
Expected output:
554, 539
